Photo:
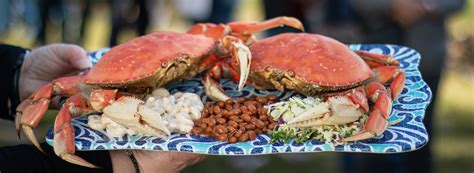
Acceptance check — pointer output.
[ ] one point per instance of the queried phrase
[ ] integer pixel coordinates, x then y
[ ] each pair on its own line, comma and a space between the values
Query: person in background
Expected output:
129, 13
23, 72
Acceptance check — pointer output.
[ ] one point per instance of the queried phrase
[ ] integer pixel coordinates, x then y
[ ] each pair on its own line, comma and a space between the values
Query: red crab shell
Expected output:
313, 58
144, 56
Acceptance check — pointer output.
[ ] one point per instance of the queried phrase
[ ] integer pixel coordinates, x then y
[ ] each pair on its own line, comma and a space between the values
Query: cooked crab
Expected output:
134, 68
316, 65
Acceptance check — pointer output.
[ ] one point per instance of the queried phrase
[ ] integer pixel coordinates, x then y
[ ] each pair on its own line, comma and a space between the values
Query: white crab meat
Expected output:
337, 110
95, 122
133, 114
160, 92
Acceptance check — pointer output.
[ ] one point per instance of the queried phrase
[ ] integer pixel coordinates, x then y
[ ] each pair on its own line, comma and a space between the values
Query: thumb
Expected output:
74, 54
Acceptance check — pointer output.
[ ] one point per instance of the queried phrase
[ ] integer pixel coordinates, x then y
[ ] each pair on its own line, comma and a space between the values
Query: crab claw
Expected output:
377, 122
133, 114
375, 126
336, 110
315, 112
374, 89
244, 57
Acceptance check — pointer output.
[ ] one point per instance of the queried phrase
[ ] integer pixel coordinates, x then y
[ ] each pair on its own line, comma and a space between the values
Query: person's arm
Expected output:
9, 65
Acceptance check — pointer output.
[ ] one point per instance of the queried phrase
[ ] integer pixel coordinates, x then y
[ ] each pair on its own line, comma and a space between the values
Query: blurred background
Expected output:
441, 30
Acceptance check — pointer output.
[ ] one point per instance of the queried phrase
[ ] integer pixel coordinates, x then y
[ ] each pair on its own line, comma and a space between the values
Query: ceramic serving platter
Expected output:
407, 135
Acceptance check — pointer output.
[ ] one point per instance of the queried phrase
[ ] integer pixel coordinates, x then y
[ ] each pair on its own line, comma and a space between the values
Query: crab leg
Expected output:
377, 60
243, 30
247, 28
31, 110
376, 92
377, 122
392, 74
63, 144
386, 69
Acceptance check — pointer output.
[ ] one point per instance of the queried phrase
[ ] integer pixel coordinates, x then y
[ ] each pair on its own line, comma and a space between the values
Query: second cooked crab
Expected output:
315, 65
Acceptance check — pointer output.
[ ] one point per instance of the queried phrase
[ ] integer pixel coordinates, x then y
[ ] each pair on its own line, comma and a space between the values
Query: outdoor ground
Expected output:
454, 120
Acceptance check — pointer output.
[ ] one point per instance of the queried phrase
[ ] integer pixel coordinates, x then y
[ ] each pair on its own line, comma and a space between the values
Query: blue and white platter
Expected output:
407, 135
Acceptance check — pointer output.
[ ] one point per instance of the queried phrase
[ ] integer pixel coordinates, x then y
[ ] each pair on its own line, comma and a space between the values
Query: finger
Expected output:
75, 55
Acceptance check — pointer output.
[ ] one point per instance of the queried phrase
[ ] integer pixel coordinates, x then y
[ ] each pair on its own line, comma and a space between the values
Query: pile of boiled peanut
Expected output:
236, 121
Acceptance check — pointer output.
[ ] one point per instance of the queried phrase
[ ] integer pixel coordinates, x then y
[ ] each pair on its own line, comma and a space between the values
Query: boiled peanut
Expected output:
252, 135
243, 108
222, 137
233, 139
236, 106
229, 107
235, 112
221, 121
258, 123
220, 129
196, 130
231, 129
233, 117
220, 104
229, 101
272, 97
216, 110
212, 121
233, 123
208, 130
250, 127
238, 133
271, 126
245, 117
244, 137
226, 113
202, 125
261, 99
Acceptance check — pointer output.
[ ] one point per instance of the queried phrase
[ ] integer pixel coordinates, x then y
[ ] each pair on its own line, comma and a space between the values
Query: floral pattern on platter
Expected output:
407, 135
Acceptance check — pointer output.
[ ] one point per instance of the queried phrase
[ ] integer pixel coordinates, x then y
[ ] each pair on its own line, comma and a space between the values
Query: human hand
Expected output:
166, 162
154, 161
49, 62
407, 12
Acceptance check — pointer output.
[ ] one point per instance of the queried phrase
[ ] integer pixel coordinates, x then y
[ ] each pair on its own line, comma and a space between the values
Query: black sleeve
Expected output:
8, 60
26, 158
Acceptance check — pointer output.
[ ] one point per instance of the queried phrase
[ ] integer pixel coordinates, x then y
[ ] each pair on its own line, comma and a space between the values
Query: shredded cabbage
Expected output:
295, 106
